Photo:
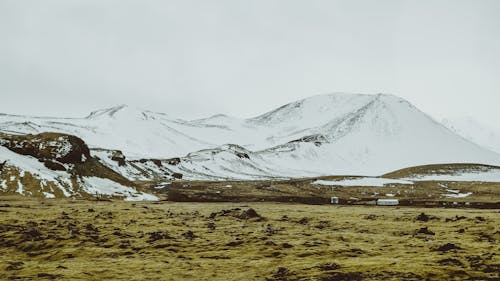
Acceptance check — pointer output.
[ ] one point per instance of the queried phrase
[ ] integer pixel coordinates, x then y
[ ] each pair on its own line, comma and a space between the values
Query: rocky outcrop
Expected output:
69, 169
119, 158
50, 148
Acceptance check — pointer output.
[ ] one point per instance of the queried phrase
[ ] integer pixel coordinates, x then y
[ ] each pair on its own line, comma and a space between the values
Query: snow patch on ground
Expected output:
19, 187
380, 182
100, 186
457, 195
49, 195
142, 197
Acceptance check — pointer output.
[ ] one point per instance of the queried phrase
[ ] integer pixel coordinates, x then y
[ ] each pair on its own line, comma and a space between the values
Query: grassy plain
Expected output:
63, 239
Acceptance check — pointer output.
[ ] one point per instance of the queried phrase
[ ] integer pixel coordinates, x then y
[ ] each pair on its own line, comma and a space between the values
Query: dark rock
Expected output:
447, 247
177, 176
242, 155
304, 221
248, 214
49, 276
118, 157
456, 218
424, 230
2, 165
487, 237
423, 217
189, 235
61, 267
237, 213
211, 226
31, 234
286, 246
493, 268
91, 228
174, 161
53, 165
329, 266
157, 162
158, 235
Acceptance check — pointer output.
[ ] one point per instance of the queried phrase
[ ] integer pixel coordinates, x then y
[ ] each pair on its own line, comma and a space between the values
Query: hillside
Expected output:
449, 172
54, 165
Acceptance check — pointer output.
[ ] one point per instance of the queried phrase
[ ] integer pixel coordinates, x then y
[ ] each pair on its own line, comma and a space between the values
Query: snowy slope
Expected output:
475, 131
145, 134
27, 176
384, 135
138, 133
322, 135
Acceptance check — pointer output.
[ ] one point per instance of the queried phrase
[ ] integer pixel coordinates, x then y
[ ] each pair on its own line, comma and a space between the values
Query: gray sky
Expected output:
240, 57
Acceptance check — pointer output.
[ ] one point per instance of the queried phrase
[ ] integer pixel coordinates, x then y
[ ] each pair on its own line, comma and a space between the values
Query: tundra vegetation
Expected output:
65, 239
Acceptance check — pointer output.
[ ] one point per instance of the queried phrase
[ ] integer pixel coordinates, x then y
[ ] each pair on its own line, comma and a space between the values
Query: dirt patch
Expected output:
447, 247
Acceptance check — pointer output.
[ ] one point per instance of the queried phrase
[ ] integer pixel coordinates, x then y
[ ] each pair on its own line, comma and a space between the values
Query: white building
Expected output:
387, 202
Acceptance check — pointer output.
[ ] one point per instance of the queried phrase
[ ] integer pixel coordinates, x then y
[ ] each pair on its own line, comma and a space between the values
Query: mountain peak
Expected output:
316, 110
122, 110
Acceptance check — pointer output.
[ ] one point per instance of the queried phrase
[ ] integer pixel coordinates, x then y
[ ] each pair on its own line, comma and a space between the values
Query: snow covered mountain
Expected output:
475, 131
322, 135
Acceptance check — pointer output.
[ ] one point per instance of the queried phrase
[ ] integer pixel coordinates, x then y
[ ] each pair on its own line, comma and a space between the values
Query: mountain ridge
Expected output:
320, 135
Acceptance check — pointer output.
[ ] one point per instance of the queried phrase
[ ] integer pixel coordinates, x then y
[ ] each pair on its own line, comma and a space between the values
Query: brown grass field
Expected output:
63, 239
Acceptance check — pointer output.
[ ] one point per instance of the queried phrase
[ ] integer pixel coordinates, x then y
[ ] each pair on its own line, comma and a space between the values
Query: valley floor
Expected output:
61, 239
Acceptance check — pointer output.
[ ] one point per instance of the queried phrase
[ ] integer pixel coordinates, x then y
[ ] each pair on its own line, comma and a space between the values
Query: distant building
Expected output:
334, 200
387, 202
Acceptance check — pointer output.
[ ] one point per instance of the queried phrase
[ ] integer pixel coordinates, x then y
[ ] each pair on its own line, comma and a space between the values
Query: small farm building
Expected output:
387, 202
334, 200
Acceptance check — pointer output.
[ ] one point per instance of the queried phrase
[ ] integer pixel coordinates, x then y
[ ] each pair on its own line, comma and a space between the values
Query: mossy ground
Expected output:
91, 240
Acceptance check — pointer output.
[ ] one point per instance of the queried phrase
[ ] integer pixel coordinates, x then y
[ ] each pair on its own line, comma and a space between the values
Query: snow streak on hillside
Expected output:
322, 135
29, 176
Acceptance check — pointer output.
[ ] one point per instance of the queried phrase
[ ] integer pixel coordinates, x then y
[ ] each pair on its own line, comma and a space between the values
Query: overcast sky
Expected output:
244, 57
